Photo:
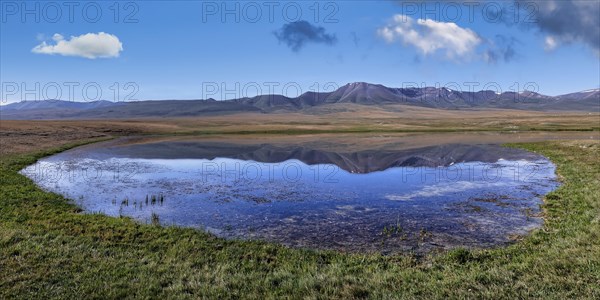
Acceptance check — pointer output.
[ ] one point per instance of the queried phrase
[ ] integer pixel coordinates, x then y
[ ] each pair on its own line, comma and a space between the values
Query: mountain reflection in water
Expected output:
364, 161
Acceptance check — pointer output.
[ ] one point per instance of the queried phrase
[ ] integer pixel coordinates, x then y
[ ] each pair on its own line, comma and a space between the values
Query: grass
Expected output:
367, 129
49, 249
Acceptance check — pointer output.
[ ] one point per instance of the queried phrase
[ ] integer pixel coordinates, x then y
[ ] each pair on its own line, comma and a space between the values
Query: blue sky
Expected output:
180, 50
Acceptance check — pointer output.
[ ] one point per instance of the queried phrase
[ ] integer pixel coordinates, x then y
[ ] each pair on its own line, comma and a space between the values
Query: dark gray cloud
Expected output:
502, 48
567, 21
297, 34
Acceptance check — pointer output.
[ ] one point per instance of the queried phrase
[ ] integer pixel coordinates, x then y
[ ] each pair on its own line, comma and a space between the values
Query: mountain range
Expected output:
360, 93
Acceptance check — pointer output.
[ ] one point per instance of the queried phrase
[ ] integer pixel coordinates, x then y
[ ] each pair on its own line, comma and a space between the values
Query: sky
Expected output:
126, 51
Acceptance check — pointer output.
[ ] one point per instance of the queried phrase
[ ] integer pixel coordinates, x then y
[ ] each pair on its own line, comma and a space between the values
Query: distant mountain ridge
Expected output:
361, 93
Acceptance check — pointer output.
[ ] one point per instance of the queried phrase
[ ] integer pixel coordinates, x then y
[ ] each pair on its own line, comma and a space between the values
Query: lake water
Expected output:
388, 193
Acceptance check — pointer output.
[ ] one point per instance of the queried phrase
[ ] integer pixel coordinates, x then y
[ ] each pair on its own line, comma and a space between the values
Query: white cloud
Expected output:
550, 43
89, 45
430, 36
443, 189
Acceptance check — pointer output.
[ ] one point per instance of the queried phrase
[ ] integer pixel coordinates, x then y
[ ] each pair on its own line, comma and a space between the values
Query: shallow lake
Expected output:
385, 193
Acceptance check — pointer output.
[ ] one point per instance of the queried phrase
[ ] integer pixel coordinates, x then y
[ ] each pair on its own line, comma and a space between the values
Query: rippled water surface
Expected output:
352, 193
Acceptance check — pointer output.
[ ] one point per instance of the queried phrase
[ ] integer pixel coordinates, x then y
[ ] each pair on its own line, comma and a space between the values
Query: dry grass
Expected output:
17, 136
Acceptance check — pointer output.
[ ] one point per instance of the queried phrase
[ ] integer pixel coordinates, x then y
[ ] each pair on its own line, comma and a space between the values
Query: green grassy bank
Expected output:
48, 249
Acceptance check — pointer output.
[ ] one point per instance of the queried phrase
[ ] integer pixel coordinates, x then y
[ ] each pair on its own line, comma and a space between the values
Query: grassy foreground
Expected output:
49, 249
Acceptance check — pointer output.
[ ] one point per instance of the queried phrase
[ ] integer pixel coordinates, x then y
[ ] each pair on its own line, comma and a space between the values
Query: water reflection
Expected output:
384, 197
